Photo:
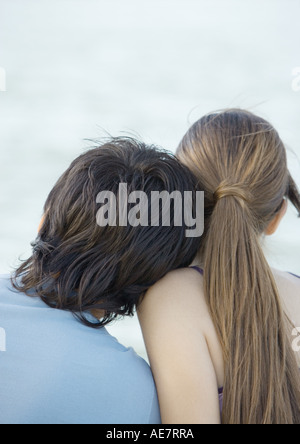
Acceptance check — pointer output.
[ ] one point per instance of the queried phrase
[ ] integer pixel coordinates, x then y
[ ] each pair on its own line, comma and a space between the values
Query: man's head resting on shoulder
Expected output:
80, 266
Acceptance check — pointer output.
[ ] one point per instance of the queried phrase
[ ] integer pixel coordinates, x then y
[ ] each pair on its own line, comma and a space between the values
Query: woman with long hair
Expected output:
219, 335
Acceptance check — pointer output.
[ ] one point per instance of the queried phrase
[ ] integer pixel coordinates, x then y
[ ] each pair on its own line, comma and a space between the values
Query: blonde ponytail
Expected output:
241, 164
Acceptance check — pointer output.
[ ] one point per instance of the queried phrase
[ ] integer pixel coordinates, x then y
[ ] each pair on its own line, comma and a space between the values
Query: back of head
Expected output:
241, 164
80, 263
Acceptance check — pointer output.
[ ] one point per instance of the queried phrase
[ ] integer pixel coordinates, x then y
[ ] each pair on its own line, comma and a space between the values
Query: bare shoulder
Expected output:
287, 281
175, 323
179, 293
183, 276
289, 289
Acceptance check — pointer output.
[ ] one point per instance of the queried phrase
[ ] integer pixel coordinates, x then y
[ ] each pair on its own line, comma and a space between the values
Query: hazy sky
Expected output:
76, 68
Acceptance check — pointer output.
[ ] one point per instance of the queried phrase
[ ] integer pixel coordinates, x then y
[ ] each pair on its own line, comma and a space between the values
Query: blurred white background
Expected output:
77, 67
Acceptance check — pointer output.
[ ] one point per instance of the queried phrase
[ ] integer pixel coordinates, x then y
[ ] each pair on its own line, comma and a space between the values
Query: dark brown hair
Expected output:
241, 164
78, 266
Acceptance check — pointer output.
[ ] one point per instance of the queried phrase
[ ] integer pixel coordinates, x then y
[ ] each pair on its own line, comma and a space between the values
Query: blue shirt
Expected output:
55, 370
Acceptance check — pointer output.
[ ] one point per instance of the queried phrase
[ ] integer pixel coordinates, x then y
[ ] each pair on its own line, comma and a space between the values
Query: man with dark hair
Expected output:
54, 369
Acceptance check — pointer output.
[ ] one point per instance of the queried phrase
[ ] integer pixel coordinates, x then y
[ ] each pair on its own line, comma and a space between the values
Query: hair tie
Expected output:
237, 191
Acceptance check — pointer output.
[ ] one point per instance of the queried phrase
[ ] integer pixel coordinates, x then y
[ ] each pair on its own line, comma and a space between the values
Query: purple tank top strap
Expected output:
295, 275
198, 269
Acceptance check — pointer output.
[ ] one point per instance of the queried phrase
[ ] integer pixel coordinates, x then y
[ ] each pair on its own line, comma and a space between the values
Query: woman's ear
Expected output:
274, 224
